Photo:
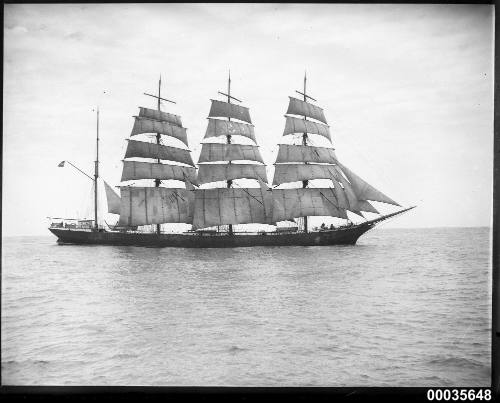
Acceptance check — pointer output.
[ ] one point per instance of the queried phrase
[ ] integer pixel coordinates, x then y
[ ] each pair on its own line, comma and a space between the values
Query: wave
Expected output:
456, 362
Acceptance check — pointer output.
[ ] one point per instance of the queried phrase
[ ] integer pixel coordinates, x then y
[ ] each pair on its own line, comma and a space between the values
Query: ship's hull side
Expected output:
342, 236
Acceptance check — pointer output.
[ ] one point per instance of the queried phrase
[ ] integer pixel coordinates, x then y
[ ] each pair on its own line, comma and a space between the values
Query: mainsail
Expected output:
230, 205
305, 163
140, 205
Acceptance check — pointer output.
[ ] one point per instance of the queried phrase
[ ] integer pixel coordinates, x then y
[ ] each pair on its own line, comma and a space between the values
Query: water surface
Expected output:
401, 308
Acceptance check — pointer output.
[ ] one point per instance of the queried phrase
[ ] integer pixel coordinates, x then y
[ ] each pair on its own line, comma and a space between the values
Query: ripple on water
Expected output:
399, 309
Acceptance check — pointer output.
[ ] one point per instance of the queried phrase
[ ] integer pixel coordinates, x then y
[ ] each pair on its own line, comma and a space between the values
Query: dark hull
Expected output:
339, 236
344, 236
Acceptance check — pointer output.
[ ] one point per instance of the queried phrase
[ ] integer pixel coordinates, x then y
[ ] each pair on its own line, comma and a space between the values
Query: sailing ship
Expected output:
229, 193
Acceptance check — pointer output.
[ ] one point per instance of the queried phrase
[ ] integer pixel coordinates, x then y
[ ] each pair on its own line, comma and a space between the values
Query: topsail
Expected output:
303, 108
218, 127
159, 115
221, 109
296, 125
145, 125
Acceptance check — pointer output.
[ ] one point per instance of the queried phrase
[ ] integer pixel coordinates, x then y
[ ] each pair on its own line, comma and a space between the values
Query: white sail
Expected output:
221, 206
112, 198
221, 172
365, 191
142, 149
221, 109
296, 125
218, 127
146, 125
298, 107
284, 173
135, 170
213, 152
292, 203
295, 153
155, 205
159, 115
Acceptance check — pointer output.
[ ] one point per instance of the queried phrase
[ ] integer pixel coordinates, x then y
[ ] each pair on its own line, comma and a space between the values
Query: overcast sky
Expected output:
407, 91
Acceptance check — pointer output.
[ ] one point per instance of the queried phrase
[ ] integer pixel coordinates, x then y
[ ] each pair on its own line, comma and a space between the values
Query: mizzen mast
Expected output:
158, 135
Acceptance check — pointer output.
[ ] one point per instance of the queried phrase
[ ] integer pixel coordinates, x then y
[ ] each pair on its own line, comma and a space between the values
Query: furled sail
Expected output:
298, 107
135, 170
296, 125
221, 172
221, 206
146, 125
212, 152
142, 149
112, 198
292, 203
284, 173
365, 191
295, 153
155, 205
221, 109
218, 127
159, 115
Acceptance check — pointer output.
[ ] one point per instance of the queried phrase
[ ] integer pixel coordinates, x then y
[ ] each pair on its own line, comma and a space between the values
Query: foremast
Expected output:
304, 139
306, 162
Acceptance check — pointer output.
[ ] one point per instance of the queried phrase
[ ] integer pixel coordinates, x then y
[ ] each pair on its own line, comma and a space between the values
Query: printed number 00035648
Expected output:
458, 394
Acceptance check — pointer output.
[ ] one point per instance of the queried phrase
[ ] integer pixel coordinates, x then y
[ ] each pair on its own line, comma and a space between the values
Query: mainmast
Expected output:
158, 136
96, 174
224, 161
229, 182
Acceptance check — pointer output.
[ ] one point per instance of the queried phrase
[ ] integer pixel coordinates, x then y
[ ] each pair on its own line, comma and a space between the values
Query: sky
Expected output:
407, 91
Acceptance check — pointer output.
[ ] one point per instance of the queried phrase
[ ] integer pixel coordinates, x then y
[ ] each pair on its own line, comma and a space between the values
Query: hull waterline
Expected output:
344, 236
339, 236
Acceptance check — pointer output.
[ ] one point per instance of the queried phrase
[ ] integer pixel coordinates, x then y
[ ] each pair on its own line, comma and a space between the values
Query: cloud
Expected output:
77, 36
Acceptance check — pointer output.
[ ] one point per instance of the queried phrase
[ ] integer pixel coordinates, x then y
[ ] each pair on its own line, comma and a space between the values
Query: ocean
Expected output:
403, 307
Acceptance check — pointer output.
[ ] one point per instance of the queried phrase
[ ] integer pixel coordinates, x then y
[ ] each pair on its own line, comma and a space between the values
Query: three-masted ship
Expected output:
160, 185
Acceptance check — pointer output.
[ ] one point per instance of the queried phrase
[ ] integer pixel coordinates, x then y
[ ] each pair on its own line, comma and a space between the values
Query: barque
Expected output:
228, 192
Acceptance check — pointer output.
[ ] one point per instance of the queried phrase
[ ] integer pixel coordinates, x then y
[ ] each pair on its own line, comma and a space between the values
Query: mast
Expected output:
304, 143
156, 205
158, 137
304, 137
306, 162
222, 161
228, 139
228, 136
96, 173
